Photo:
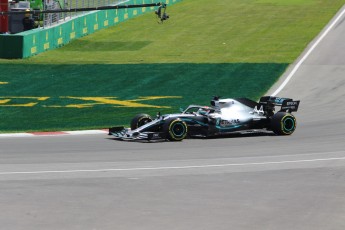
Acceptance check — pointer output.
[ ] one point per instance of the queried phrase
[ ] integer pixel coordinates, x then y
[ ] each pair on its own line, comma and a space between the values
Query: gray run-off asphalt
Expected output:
254, 182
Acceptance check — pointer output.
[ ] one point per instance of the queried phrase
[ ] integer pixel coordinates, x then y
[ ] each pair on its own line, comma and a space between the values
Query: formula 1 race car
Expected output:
224, 116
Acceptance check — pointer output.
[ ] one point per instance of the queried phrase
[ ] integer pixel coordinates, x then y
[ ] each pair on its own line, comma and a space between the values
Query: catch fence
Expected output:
51, 19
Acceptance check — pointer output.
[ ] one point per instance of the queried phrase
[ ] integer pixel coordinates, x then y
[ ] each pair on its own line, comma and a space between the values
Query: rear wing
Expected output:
287, 104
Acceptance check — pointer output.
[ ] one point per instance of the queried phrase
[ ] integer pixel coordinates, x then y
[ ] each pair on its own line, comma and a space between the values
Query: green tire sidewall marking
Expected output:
288, 118
175, 136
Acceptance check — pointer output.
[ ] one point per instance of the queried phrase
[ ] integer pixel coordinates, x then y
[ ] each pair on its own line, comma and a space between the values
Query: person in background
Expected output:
28, 22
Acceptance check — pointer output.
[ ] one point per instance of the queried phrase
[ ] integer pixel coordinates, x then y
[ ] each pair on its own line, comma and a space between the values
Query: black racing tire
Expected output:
140, 120
175, 130
283, 123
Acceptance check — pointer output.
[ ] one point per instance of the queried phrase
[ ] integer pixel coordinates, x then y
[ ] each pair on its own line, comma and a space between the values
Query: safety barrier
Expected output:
33, 42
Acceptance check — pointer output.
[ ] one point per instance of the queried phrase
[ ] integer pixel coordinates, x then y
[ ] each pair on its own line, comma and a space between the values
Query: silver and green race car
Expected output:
223, 116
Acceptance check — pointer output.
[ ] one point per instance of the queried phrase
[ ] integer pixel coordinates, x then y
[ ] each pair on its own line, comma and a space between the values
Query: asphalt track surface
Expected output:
252, 182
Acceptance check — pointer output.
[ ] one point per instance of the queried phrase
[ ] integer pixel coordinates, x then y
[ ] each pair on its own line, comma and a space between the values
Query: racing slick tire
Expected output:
283, 123
175, 130
140, 120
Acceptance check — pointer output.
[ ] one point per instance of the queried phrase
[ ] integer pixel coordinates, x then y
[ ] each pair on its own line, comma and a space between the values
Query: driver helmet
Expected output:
204, 110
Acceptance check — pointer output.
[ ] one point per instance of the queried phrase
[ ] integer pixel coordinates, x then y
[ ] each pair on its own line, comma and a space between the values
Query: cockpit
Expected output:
205, 110
199, 110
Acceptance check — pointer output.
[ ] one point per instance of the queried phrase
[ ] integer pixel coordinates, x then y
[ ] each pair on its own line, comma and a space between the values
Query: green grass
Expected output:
233, 48
203, 31
289, 2
81, 100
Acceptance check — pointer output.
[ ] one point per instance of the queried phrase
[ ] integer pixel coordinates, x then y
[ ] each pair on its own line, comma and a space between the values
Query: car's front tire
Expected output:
140, 120
175, 130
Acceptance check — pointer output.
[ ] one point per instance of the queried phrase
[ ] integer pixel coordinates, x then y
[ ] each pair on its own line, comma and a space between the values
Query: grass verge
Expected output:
83, 101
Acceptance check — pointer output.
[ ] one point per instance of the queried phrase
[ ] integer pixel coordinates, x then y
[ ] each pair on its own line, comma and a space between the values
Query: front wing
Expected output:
127, 134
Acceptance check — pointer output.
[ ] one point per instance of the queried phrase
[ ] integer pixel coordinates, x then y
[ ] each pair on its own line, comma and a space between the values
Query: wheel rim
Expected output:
143, 121
178, 129
289, 124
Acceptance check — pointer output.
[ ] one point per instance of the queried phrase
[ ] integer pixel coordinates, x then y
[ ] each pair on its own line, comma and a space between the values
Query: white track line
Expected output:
52, 134
85, 132
174, 167
15, 135
306, 55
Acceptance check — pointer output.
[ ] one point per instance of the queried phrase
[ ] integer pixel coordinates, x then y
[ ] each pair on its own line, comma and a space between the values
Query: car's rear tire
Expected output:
175, 130
140, 120
283, 123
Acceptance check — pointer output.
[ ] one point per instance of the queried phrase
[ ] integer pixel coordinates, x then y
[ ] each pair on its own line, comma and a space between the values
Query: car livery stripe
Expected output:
229, 128
194, 121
